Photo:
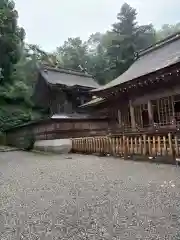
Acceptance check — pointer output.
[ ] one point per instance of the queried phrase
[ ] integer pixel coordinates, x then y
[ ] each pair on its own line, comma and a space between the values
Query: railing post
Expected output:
120, 146
144, 145
140, 145
176, 146
98, 140
136, 146
171, 147
149, 146
128, 146
170, 144
117, 146
164, 146
154, 146
94, 145
109, 145
125, 147
159, 145
79, 146
112, 146
132, 147
104, 145
73, 140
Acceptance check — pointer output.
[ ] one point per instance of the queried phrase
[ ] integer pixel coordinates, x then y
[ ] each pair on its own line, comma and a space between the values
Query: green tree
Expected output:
73, 53
11, 37
34, 52
129, 38
98, 63
167, 30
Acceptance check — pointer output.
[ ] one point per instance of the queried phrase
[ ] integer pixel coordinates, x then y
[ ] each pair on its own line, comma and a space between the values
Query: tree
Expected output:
33, 51
167, 30
98, 63
73, 53
11, 37
129, 38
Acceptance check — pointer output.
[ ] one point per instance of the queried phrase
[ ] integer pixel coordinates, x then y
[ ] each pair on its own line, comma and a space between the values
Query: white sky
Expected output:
50, 23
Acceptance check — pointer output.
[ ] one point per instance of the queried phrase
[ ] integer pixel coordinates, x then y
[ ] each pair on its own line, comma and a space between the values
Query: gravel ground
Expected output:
87, 197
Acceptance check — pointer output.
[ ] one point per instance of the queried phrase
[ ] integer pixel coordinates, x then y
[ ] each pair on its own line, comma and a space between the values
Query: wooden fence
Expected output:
165, 147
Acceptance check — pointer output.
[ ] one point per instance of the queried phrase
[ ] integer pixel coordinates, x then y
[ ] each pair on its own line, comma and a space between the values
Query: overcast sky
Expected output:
49, 23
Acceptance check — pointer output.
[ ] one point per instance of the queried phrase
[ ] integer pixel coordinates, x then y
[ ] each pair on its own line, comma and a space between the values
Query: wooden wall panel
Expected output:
157, 94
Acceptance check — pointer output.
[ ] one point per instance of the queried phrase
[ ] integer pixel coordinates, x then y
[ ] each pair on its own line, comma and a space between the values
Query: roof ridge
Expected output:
66, 70
159, 44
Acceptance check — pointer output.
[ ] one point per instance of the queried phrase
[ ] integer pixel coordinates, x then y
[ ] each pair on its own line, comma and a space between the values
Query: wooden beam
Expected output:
119, 118
150, 113
133, 122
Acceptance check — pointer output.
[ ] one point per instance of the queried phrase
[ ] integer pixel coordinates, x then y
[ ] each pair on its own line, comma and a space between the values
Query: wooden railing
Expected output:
129, 146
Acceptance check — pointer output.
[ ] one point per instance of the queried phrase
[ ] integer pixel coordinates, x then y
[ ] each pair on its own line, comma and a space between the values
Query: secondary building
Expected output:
62, 91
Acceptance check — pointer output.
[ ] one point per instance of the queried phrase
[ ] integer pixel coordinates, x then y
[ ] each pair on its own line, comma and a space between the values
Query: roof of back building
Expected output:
68, 77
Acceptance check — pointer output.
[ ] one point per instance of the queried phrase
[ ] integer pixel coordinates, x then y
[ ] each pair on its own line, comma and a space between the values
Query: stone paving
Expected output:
87, 197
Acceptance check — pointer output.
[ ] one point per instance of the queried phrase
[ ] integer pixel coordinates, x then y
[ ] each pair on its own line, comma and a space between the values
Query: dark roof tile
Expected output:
58, 76
159, 56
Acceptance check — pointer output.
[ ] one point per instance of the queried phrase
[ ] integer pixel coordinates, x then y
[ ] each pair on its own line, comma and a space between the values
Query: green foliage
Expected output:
108, 55
129, 38
73, 53
12, 115
167, 30
98, 62
19, 71
11, 37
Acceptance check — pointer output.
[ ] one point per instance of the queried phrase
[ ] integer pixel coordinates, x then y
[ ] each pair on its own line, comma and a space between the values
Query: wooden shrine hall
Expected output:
147, 95
140, 110
62, 91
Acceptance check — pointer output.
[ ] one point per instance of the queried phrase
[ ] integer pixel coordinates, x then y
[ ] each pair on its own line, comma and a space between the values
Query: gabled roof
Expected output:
163, 54
68, 77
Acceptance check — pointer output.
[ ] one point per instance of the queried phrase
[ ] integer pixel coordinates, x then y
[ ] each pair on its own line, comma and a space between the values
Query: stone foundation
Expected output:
62, 146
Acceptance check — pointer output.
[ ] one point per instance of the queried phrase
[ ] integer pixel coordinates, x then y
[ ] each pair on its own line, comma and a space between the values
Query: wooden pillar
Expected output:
133, 122
171, 147
119, 118
173, 111
150, 113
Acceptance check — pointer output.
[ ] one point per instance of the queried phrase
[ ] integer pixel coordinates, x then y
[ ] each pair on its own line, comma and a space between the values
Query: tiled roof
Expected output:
58, 76
159, 56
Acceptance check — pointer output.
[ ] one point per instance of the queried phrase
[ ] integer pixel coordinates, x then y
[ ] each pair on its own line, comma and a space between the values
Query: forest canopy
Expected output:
104, 55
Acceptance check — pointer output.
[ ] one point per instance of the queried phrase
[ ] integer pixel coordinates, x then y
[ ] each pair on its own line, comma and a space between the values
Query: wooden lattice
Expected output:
163, 108
126, 117
139, 118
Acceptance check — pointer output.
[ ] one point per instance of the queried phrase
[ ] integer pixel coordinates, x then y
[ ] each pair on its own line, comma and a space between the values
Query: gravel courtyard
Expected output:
87, 197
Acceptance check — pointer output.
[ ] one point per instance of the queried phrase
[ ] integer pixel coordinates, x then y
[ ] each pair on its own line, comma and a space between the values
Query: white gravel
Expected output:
87, 197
